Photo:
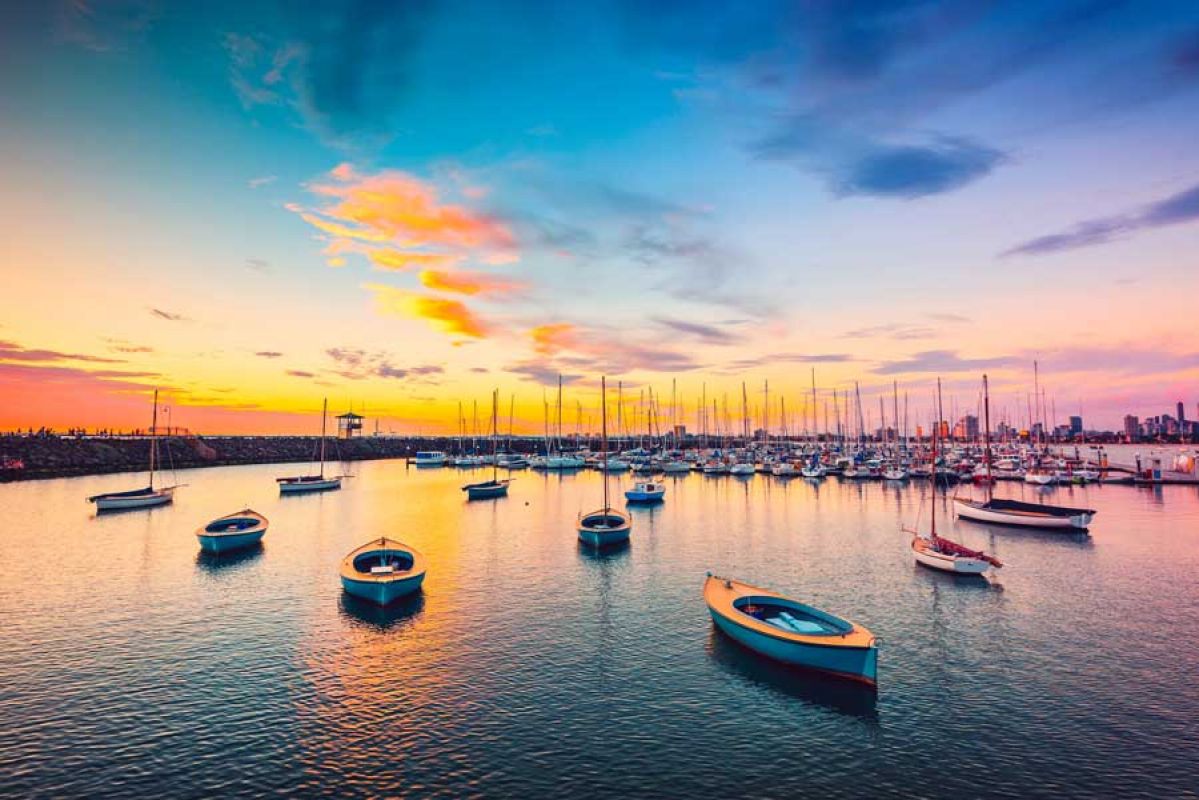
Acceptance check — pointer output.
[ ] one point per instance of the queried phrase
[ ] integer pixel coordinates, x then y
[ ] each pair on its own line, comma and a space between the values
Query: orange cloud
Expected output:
400, 260
549, 339
451, 316
467, 282
395, 206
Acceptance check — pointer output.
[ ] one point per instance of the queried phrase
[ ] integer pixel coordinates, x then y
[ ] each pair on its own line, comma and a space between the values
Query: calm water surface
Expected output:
130, 666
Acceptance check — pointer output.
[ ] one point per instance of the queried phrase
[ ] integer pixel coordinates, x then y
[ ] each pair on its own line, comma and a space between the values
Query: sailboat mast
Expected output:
987, 435
558, 440
936, 431
604, 439
814, 423
495, 421
324, 412
153, 439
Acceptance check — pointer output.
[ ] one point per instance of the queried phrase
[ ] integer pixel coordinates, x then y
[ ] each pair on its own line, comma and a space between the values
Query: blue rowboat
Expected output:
232, 532
646, 492
486, 489
382, 571
791, 632
604, 527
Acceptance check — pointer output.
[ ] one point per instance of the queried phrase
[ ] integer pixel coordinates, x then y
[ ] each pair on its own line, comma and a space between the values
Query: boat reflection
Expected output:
1070, 537
936, 577
608, 552
219, 562
845, 697
406, 609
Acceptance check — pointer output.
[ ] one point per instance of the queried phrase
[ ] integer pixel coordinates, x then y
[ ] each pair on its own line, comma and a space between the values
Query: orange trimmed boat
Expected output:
791, 632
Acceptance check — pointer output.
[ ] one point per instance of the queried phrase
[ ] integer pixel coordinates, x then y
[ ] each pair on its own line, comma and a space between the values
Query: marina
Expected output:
264, 646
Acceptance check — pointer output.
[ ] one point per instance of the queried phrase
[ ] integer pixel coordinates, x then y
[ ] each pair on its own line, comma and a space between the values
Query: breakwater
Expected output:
25, 457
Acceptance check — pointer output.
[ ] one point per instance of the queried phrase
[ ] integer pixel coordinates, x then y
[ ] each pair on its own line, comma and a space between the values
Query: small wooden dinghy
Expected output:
791, 632
382, 571
234, 531
646, 492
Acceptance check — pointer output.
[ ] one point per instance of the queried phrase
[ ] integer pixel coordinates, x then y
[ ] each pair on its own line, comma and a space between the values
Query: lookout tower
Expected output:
349, 425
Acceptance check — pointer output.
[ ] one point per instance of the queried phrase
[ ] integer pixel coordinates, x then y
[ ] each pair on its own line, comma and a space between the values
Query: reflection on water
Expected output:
402, 610
534, 666
847, 697
216, 562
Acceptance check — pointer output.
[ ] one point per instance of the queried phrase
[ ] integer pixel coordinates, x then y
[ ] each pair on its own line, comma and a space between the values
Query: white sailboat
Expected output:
494, 487
1015, 512
298, 484
940, 553
139, 498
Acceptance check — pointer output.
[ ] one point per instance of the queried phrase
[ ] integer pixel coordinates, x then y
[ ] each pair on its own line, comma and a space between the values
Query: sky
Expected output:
403, 206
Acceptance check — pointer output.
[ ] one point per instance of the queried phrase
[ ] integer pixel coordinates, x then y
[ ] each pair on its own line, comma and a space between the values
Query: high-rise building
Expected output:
1182, 412
1132, 428
1075, 426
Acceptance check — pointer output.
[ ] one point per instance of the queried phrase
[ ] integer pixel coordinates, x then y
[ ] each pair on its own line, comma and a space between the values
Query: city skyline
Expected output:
401, 207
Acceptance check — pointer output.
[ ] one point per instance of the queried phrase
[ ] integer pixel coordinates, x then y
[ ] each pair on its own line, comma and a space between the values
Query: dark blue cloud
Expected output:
916, 171
1176, 209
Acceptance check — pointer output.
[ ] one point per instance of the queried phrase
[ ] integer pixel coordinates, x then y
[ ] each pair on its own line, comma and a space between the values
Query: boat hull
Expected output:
853, 654
980, 513
944, 562
380, 592
229, 542
644, 497
117, 503
857, 664
303, 487
616, 531
486, 492
382, 588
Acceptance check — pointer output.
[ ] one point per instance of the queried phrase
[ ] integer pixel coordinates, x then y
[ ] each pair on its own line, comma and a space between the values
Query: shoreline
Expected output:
30, 458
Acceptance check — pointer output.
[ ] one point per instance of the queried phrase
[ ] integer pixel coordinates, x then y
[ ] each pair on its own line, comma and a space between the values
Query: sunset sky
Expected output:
400, 206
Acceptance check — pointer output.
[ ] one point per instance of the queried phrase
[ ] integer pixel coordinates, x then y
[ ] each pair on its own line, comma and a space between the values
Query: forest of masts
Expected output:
648, 420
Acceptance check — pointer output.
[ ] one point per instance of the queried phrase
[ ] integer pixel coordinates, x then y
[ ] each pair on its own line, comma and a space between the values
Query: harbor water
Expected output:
133, 666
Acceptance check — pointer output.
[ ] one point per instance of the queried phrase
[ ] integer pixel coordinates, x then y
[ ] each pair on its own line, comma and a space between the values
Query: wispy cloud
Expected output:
103, 25
300, 373
357, 364
941, 361
399, 222
264, 180
170, 316
451, 316
892, 330
470, 283
399, 260
11, 351
713, 334
566, 347
1176, 209
269, 354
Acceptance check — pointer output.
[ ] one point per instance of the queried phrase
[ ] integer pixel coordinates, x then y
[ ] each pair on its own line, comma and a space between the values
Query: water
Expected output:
530, 667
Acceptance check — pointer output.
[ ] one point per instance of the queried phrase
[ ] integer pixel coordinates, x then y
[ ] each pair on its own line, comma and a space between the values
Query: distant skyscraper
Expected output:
1132, 428
1182, 412
1075, 426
